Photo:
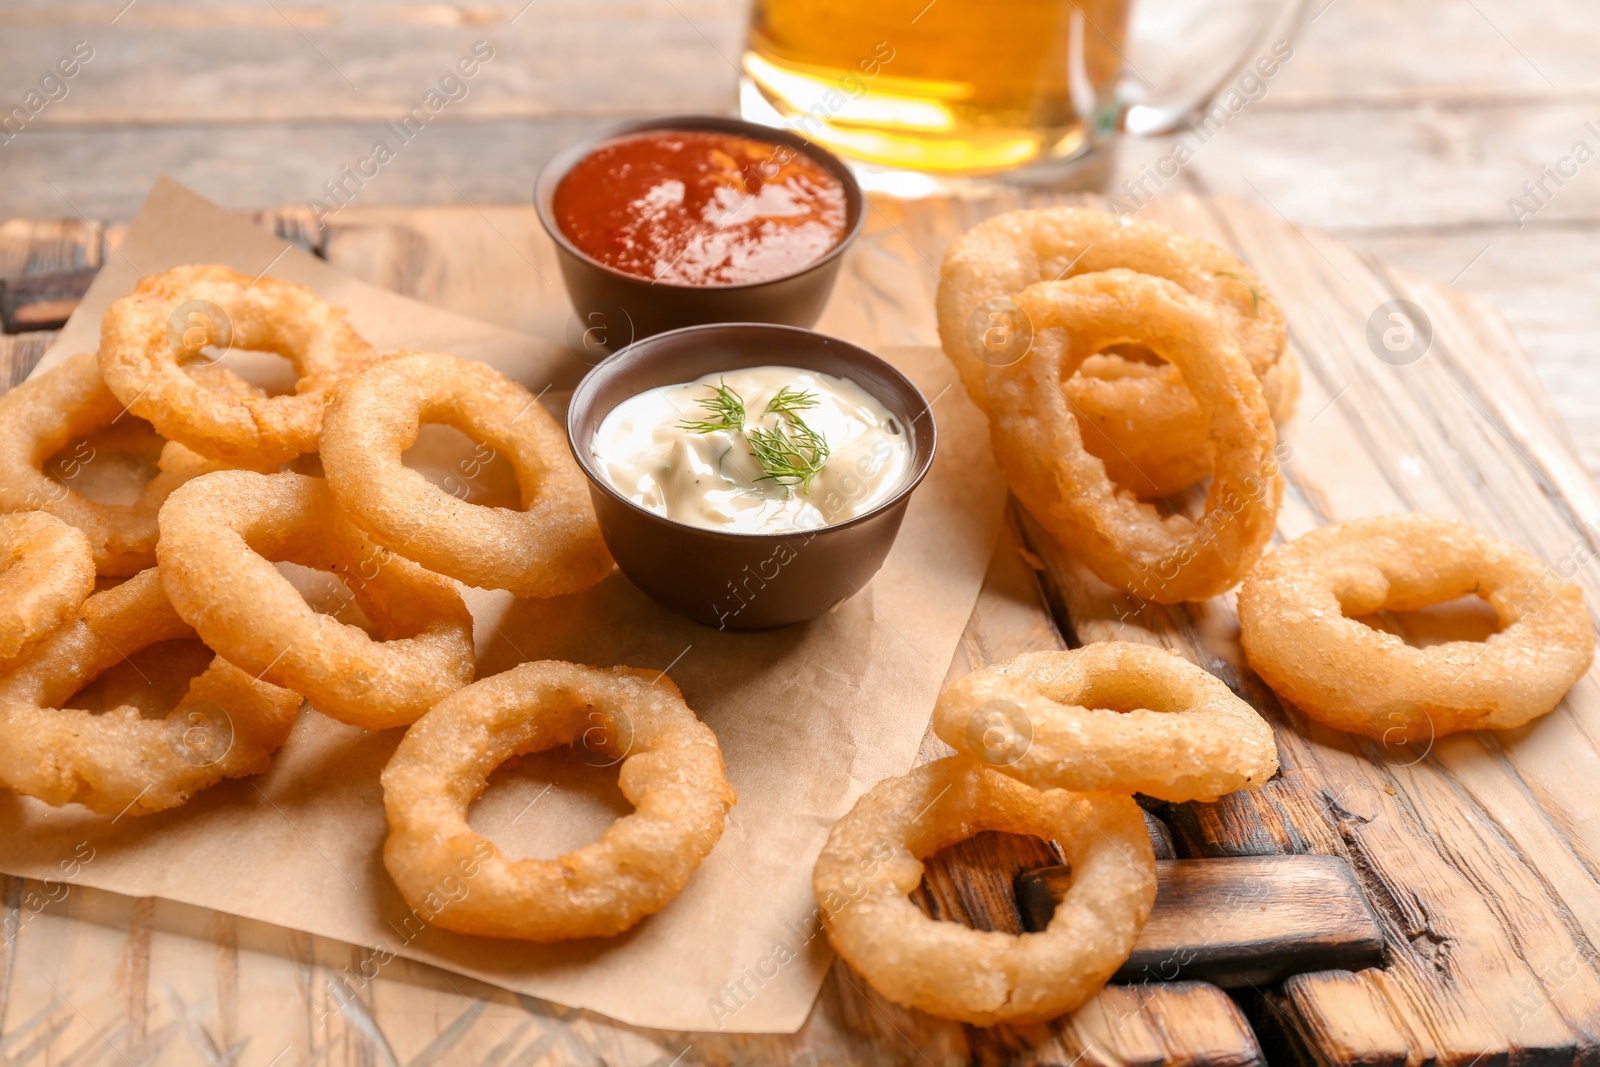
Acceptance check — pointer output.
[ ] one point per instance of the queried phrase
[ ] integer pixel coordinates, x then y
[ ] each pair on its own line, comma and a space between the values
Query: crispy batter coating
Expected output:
146, 371
1138, 418
227, 725
1114, 716
220, 535
873, 860
69, 401
1297, 625
1039, 446
671, 772
46, 572
550, 547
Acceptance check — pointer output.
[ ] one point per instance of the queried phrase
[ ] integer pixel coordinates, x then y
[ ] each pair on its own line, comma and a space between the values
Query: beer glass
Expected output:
985, 86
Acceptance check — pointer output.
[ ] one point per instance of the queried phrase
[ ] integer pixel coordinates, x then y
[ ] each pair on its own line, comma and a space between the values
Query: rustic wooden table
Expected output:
1400, 129
1486, 943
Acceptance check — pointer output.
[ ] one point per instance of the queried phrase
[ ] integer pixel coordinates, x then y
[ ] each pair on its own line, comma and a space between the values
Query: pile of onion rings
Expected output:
200, 543
227, 724
149, 749
1138, 418
671, 773
1298, 625
158, 399
1039, 444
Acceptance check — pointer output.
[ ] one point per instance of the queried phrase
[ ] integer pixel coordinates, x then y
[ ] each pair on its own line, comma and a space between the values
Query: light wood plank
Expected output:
1404, 169
1380, 54
64, 172
1531, 277
370, 63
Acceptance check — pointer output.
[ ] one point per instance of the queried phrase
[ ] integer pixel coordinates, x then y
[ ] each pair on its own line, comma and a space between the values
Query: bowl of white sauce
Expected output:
749, 475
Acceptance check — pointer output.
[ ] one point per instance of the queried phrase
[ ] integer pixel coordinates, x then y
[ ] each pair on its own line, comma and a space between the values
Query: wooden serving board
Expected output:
1477, 855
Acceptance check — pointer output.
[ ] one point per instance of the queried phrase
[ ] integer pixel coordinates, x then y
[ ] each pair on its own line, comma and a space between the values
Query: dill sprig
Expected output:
726, 409
789, 454
790, 400
1255, 297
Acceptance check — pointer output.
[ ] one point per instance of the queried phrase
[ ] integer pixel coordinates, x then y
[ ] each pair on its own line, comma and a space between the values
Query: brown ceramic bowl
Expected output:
741, 581
625, 307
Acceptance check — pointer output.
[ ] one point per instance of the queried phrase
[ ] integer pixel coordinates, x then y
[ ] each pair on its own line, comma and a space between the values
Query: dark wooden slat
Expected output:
41, 246
19, 353
297, 225
1160, 835
42, 301
1236, 922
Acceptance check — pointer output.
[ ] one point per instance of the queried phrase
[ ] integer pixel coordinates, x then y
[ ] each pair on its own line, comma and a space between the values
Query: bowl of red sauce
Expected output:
695, 219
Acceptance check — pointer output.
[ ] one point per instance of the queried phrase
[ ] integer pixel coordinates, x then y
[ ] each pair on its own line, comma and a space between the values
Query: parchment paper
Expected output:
808, 718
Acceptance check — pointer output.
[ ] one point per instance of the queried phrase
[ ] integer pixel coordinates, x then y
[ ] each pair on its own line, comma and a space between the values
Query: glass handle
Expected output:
1144, 117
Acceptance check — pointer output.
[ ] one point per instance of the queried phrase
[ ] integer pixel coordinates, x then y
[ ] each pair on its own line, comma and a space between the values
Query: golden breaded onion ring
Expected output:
1297, 624
46, 572
145, 369
220, 535
671, 773
1039, 445
873, 860
226, 726
1114, 716
1137, 417
550, 547
42, 416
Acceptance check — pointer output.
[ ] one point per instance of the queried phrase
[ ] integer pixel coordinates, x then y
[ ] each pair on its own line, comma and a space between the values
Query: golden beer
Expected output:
956, 86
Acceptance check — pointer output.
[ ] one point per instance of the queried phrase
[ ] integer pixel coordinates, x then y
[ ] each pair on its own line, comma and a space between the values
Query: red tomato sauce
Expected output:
701, 208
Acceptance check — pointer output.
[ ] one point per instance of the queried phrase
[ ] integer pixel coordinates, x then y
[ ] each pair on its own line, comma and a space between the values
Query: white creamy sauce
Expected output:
716, 477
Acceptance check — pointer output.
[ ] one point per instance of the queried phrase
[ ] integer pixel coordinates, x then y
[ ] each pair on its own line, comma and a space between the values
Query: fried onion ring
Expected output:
549, 548
1297, 623
42, 416
872, 861
671, 773
1114, 716
1138, 418
1039, 445
145, 369
218, 534
46, 572
226, 726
